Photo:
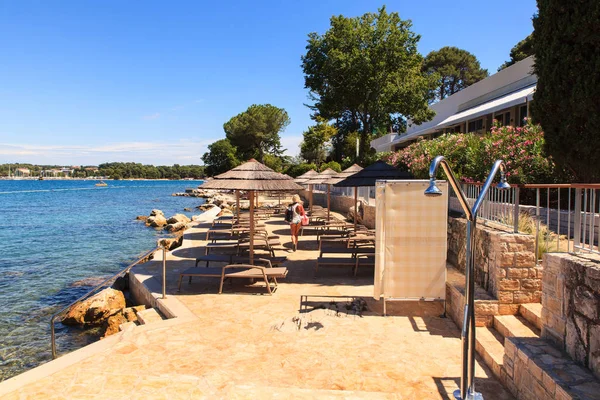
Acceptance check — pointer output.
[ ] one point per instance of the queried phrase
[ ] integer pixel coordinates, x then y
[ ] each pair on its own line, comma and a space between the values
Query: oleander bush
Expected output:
471, 155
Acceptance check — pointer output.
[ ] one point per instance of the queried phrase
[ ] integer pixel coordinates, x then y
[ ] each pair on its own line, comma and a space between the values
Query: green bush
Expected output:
295, 170
471, 155
334, 165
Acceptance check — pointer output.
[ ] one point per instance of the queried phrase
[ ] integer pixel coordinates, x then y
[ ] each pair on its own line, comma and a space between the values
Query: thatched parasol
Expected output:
355, 168
252, 176
321, 179
369, 176
303, 180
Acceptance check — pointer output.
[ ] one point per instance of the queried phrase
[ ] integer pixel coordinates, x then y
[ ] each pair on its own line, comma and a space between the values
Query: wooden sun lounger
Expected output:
355, 254
364, 261
240, 271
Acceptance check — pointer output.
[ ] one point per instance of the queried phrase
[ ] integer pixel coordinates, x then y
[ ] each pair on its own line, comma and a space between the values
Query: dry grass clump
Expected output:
547, 240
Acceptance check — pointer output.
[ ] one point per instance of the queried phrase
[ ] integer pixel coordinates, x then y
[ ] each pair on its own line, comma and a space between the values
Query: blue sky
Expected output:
85, 82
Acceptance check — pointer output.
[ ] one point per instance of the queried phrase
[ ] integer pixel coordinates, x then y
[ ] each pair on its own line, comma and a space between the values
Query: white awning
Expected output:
508, 100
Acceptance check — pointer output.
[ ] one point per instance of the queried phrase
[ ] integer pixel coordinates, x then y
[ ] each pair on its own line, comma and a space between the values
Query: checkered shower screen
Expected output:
411, 241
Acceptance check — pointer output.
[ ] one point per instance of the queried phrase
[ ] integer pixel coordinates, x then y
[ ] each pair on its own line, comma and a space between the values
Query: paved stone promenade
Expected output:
305, 341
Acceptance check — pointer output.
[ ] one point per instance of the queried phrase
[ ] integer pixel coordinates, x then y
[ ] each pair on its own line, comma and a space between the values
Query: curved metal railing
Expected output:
95, 289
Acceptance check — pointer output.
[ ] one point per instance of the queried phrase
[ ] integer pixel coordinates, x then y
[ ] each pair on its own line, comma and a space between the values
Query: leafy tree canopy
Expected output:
566, 39
519, 52
314, 146
255, 132
221, 157
454, 69
367, 70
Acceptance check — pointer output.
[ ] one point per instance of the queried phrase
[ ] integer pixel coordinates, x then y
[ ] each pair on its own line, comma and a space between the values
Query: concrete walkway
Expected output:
305, 341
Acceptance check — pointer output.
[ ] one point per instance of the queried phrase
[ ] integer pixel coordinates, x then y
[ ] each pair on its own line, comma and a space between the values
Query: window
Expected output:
522, 115
476, 125
457, 129
503, 119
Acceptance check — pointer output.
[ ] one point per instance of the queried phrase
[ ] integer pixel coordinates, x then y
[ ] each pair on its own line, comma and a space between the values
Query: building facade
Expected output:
504, 97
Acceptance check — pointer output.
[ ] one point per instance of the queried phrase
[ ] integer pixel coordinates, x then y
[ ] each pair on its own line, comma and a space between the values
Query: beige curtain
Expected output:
411, 241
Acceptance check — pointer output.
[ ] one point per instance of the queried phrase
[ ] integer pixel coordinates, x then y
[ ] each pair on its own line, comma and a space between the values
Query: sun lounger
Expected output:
240, 271
364, 261
340, 246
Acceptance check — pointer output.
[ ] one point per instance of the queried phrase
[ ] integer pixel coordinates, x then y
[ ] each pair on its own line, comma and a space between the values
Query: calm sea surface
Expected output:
55, 233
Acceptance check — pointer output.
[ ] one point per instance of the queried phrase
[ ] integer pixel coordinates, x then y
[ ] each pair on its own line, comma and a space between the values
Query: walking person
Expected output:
294, 215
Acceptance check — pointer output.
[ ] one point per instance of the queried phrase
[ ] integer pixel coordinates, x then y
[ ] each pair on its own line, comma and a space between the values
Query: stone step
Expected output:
490, 346
532, 312
148, 316
515, 326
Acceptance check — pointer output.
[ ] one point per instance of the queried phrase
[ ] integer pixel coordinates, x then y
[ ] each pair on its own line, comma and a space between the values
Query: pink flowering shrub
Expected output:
471, 155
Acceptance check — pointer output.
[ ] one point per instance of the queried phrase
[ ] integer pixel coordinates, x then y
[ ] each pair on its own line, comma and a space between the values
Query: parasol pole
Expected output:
328, 202
237, 205
311, 196
251, 198
355, 207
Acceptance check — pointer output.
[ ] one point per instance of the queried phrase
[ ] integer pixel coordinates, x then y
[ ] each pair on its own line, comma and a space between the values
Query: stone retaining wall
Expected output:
504, 263
571, 306
342, 204
534, 370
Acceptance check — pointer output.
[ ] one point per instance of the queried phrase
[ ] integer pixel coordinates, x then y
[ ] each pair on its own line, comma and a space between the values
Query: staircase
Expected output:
490, 341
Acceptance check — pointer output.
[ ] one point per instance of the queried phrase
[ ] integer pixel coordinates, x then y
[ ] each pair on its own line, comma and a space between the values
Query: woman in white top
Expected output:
296, 223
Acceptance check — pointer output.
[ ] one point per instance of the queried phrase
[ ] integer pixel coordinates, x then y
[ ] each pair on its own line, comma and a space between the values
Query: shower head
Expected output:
503, 184
433, 189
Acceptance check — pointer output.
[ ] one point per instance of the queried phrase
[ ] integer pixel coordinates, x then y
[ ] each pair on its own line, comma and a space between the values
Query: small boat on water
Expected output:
101, 183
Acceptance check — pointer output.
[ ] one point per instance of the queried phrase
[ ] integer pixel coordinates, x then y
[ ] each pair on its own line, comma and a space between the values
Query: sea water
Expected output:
56, 233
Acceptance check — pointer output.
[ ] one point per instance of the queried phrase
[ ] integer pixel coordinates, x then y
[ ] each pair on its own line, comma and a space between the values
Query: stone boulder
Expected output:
206, 207
157, 221
97, 309
176, 227
178, 218
350, 214
171, 243
156, 212
141, 218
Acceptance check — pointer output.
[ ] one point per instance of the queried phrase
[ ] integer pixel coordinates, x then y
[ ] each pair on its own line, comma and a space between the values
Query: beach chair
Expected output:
268, 274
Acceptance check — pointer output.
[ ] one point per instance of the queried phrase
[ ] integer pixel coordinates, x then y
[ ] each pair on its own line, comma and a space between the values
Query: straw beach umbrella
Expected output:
303, 180
369, 176
343, 175
252, 176
321, 179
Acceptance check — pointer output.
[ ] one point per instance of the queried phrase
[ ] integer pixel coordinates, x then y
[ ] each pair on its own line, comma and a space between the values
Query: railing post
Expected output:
164, 272
577, 220
516, 210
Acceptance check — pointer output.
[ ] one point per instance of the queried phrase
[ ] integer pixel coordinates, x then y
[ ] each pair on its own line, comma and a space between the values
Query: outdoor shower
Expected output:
467, 388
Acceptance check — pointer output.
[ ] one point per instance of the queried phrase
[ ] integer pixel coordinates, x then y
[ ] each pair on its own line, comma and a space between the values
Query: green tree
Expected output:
566, 39
273, 162
255, 132
519, 52
221, 157
454, 69
367, 71
314, 146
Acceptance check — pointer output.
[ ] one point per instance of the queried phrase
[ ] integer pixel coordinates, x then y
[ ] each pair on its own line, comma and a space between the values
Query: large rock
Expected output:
171, 243
157, 221
113, 323
178, 218
141, 217
96, 309
176, 227
205, 207
156, 212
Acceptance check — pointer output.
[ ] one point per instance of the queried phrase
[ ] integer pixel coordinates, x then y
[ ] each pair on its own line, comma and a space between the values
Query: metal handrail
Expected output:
113, 277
